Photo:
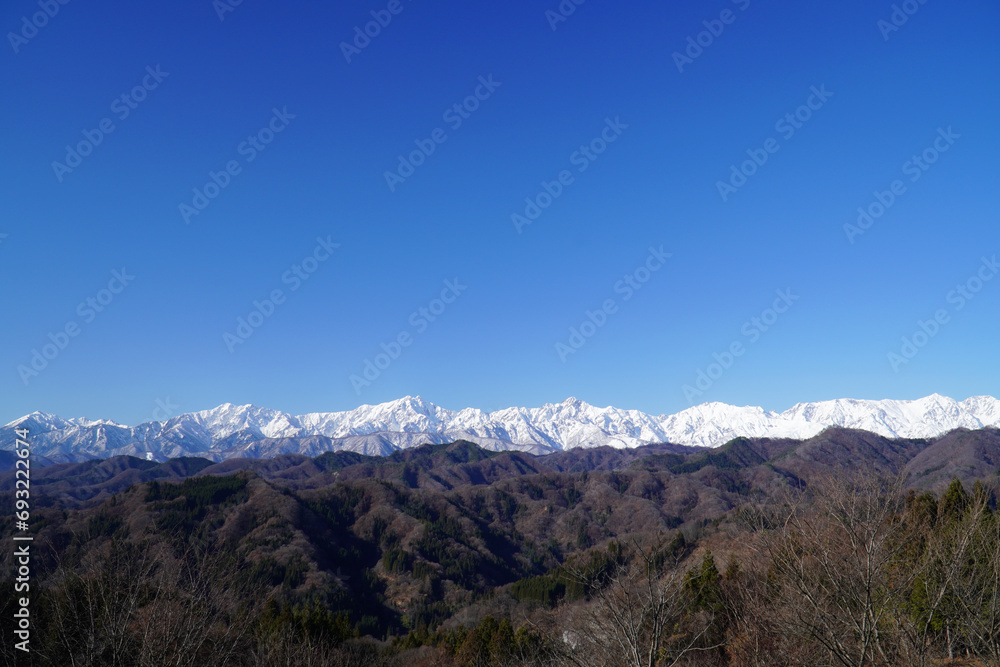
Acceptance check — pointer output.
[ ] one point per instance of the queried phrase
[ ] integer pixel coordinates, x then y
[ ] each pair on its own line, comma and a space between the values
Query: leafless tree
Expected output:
136, 605
641, 616
200, 613
935, 562
91, 613
975, 582
754, 638
833, 565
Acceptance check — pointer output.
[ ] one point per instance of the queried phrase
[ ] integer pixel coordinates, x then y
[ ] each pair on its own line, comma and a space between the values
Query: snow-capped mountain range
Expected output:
231, 430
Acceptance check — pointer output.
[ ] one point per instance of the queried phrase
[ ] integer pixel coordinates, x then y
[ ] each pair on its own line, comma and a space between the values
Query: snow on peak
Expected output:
41, 420
412, 420
574, 422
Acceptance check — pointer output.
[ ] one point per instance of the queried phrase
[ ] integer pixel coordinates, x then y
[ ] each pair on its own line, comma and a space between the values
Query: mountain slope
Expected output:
230, 431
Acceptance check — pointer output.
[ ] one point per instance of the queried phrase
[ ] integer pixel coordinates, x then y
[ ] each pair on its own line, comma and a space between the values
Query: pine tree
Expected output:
954, 502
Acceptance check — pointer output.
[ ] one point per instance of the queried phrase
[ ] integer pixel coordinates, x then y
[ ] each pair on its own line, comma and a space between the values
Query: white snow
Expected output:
410, 421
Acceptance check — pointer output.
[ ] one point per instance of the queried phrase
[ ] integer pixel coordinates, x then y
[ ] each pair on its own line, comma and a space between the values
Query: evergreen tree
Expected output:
954, 502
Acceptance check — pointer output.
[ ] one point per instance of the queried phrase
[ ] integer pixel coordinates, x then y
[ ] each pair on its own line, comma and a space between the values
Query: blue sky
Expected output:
200, 89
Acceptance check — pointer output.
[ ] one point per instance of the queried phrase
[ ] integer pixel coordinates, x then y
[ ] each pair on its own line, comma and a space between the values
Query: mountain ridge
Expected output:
229, 430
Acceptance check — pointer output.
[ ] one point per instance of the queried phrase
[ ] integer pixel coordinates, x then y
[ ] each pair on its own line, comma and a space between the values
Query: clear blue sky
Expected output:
495, 345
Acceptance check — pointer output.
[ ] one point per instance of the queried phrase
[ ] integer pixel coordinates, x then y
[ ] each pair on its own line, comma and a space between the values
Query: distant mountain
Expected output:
231, 431
765, 464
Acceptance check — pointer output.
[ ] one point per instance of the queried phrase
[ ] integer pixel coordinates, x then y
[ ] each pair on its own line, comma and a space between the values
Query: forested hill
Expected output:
450, 554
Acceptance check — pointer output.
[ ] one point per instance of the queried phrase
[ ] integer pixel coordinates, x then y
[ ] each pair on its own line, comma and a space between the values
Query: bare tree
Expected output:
754, 638
974, 582
833, 563
91, 613
201, 612
640, 616
935, 568
135, 605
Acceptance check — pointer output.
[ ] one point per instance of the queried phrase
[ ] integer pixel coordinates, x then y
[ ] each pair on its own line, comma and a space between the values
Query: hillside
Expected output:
427, 541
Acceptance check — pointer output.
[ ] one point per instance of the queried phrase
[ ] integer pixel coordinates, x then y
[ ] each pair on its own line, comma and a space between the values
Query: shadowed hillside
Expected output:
418, 550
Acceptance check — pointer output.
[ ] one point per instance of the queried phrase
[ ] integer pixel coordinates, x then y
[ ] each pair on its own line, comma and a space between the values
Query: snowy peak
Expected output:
923, 417
226, 420
713, 424
249, 430
43, 422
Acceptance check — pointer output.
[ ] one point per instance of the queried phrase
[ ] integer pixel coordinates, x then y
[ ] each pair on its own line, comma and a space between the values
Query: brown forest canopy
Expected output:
845, 549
